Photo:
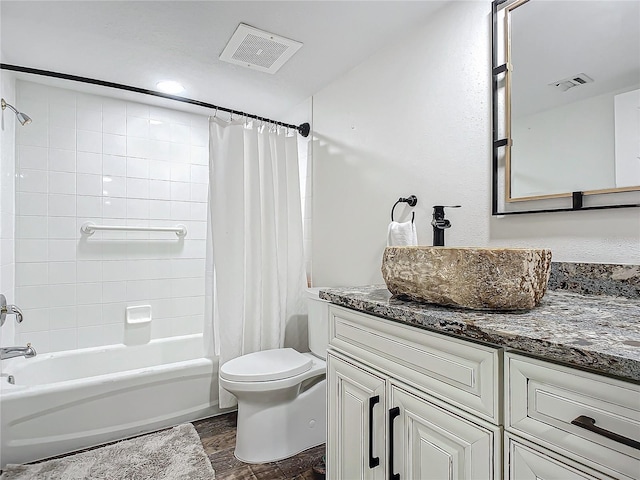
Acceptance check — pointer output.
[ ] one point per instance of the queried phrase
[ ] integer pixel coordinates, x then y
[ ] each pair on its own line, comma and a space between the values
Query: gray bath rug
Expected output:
167, 455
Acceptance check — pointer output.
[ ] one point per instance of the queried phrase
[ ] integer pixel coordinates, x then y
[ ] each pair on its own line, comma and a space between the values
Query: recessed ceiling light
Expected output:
169, 86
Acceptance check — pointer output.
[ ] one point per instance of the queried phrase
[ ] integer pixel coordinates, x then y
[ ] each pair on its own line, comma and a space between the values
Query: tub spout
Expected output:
11, 352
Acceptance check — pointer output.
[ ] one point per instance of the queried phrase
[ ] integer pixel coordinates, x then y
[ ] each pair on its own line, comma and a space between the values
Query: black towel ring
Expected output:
412, 200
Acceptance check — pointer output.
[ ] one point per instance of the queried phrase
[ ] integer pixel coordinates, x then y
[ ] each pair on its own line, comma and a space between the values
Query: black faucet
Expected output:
440, 223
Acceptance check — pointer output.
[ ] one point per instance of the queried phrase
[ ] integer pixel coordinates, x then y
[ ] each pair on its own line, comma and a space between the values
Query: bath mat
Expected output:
171, 454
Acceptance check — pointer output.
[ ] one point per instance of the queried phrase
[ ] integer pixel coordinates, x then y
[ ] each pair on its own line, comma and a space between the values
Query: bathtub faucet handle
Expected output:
9, 310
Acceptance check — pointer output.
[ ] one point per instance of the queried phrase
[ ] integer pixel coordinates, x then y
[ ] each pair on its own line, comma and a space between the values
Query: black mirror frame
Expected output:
577, 198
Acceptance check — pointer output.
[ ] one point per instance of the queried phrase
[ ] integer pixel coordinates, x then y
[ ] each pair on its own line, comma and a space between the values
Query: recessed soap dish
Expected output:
138, 314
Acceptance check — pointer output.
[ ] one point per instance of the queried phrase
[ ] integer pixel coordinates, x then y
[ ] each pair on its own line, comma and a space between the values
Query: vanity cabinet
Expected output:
383, 421
412, 404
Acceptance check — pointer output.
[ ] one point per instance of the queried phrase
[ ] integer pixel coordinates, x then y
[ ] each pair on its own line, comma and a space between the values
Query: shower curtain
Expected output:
255, 261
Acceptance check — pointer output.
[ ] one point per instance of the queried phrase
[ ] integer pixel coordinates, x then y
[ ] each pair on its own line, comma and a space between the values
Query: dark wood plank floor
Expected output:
218, 436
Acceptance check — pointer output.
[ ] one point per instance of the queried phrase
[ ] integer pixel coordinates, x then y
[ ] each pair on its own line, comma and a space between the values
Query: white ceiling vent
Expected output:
573, 81
258, 50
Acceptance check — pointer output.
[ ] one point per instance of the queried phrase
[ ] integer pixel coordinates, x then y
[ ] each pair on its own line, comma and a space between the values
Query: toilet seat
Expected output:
318, 368
266, 365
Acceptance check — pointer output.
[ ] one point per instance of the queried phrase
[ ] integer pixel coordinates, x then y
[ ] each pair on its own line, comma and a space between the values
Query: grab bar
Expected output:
89, 228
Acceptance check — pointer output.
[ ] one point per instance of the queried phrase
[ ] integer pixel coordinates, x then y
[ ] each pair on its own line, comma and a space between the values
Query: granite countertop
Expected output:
597, 332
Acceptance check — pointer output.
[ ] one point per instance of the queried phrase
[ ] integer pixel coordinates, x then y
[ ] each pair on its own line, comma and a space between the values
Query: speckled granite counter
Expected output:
597, 332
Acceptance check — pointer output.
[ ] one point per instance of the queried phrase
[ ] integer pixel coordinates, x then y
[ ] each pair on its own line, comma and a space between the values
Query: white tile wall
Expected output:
98, 159
7, 202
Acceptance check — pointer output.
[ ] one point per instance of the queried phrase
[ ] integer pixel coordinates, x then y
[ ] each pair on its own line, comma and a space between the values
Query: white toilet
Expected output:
281, 394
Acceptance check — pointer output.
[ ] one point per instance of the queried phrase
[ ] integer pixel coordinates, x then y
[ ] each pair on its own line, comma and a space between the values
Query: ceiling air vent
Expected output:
573, 81
258, 50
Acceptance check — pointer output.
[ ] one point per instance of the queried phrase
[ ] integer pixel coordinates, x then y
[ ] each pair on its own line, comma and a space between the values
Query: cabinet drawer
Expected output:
542, 400
526, 461
462, 373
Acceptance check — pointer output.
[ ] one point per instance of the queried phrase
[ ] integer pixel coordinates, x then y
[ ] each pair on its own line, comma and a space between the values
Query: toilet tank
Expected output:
318, 323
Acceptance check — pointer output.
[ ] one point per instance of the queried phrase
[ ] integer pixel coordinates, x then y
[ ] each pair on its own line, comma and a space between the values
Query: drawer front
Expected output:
543, 399
462, 373
526, 461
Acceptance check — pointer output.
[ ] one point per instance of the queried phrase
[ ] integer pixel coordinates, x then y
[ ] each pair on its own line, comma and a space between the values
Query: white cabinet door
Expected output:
432, 443
355, 442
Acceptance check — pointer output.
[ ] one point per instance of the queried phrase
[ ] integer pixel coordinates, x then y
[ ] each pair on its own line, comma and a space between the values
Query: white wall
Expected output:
415, 118
92, 158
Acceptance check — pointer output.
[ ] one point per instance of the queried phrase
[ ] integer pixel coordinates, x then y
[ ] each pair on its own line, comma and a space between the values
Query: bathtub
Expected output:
71, 400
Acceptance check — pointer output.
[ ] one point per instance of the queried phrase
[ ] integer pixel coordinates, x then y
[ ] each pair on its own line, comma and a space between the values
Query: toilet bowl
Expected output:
281, 394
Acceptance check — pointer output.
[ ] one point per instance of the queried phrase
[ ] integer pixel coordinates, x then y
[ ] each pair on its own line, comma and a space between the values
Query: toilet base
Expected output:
280, 424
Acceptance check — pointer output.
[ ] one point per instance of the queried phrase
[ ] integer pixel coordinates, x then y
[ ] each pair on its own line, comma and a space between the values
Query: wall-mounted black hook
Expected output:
411, 200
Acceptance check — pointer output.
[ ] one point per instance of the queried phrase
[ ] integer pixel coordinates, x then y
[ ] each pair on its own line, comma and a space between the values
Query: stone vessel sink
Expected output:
468, 277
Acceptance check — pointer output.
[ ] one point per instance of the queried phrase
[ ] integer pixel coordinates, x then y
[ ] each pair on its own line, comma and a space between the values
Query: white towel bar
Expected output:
89, 228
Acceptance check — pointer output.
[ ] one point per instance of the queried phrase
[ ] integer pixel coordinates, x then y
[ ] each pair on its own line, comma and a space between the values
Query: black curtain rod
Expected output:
303, 129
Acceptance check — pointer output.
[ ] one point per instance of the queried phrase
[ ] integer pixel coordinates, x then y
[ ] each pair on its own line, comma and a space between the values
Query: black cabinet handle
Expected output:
373, 461
589, 423
393, 413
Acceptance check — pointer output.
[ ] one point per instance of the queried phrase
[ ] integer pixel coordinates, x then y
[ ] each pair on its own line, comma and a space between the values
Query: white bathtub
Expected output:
66, 401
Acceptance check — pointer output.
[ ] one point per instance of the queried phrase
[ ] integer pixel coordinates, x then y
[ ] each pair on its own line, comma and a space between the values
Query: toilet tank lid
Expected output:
314, 292
266, 365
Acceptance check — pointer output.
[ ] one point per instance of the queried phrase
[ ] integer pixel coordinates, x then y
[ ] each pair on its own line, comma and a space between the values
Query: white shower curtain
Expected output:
255, 261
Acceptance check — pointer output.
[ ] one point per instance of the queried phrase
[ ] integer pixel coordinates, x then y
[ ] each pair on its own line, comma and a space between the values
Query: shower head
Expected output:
23, 118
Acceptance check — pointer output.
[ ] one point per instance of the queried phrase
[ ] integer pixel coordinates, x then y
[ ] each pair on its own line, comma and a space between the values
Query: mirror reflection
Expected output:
575, 97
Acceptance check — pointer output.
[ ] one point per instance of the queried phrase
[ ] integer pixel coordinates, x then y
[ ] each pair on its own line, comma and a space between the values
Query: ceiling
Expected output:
139, 43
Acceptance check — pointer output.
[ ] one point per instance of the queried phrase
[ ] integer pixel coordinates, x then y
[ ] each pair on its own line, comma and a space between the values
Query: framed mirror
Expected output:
566, 105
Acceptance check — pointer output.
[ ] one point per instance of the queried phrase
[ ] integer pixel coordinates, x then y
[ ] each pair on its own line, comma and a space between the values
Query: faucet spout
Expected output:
12, 352
440, 223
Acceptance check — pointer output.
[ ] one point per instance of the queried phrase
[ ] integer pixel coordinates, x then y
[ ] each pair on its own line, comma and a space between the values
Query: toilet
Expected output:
282, 394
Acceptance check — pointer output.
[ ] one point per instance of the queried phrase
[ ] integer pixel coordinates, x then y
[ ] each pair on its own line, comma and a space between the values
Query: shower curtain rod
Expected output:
303, 129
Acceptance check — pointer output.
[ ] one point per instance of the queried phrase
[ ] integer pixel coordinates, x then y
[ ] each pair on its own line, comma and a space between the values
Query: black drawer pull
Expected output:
589, 423
373, 461
393, 413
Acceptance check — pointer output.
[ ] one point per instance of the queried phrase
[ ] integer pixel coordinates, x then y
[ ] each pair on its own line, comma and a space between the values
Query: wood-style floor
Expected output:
218, 436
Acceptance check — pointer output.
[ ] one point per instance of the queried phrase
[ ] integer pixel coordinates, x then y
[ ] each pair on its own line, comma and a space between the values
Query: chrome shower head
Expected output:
23, 118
